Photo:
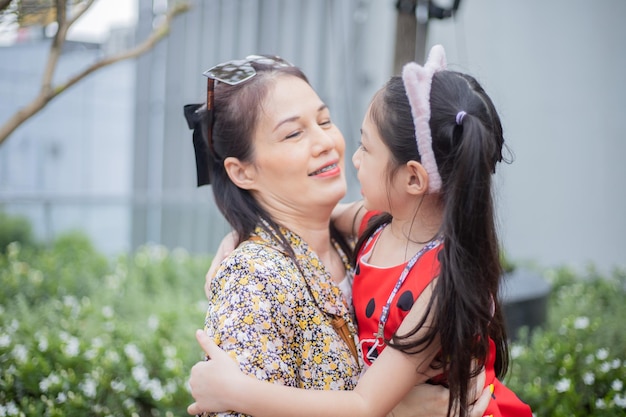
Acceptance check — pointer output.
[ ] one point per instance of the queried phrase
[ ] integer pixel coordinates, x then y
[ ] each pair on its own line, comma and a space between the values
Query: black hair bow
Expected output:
194, 121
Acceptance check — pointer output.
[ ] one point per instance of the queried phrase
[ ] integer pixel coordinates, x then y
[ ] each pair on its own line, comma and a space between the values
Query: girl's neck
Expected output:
407, 233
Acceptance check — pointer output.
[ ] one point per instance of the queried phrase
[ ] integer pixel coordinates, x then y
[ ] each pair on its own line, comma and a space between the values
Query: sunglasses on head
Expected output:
233, 73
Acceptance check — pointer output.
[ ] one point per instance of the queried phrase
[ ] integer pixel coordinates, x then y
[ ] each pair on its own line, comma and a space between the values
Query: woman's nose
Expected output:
323, 141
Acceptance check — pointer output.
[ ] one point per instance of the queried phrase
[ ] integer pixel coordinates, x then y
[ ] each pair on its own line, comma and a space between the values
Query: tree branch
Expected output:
56, 47
4, 4
46, 95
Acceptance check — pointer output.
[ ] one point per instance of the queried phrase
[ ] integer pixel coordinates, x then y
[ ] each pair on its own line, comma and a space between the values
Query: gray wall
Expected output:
556, 72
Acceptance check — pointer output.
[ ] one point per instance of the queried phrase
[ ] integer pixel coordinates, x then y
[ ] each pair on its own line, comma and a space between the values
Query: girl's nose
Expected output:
356, 158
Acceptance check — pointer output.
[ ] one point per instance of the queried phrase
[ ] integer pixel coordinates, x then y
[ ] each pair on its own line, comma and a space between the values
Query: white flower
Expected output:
589, 378
47, 382
133, 353
42, 344
112, 356
616, 363
516, 351
155, 389
12, 409
170, 363
619, 401
600, 404
617, 385
61, 398
91, 354
107, 312
88, 386
562, 385
602, 354
5, 340
20, 353
141, 375
169, 351
605, 367
13, 326
153, 322
581, 322
72, 347
589, 359
118, 386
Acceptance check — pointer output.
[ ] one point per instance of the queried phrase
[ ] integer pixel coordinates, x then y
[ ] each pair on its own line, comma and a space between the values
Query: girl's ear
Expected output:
417, 181
241, 174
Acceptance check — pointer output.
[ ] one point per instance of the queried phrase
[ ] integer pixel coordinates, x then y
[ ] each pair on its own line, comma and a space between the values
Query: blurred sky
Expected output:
94, 26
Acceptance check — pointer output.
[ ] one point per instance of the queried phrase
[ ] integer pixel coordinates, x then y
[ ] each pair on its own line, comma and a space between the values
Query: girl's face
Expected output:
372, 161
298, 158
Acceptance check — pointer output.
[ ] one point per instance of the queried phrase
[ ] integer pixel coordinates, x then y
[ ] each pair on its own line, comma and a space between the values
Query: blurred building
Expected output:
69, 167
114, 155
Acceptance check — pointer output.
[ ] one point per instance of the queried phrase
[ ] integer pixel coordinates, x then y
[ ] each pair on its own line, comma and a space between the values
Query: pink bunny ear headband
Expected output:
417, 82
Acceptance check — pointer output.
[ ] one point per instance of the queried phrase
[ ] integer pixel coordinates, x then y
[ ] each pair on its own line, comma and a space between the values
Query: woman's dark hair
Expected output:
236, 112
465, 308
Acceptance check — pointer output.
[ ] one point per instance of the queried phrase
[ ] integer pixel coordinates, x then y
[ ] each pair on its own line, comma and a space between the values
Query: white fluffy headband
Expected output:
417, 81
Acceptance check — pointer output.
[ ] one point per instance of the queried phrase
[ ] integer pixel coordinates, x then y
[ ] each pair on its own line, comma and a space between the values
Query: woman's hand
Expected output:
227, 245
427, 400
212, 380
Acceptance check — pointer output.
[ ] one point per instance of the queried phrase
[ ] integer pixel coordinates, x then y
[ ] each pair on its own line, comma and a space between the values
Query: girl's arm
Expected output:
227, 245
385, 383
423, 400
347, 217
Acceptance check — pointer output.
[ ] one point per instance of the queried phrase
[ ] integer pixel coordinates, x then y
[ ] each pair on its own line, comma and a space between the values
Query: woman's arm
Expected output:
385, 383
423, 400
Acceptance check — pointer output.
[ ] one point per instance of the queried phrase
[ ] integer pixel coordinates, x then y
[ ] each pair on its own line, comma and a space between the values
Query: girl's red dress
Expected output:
371, 290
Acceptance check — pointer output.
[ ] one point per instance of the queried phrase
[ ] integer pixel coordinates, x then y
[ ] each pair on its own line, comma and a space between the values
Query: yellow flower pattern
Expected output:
261, 310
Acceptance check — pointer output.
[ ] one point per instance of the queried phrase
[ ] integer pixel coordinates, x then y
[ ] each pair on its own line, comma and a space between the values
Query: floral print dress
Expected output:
263, 314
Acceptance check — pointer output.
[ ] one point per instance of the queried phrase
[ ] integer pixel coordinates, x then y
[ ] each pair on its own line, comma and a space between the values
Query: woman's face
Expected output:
298, 157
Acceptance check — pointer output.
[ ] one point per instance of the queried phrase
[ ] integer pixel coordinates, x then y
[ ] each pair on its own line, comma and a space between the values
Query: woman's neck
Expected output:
313, 230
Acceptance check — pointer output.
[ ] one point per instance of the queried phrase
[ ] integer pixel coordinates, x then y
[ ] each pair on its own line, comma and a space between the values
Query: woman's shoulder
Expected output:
255, 256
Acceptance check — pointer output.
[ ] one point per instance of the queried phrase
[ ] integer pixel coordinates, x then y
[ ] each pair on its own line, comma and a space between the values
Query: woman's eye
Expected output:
325, 123
293, 135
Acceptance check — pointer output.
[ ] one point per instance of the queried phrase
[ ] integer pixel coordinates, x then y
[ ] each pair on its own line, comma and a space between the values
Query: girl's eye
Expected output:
361, 147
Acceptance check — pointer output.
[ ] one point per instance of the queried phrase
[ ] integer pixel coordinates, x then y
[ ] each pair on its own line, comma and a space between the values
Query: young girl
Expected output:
428, 268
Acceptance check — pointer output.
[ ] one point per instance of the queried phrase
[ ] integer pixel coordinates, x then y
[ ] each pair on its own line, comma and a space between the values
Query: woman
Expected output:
279, 304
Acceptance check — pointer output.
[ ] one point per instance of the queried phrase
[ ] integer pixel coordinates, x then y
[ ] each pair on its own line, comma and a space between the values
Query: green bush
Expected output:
83, 335
576, 364
15, 229
80, 335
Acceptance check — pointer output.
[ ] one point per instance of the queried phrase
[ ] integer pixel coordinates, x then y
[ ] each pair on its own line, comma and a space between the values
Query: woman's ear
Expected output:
241, 174
417, 178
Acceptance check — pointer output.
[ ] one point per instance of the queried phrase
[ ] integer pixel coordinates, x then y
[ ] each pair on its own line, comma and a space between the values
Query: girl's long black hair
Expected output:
465, 310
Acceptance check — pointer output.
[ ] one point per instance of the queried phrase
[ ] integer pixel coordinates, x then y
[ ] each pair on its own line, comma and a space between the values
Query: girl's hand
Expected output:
211, 381
227, 245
